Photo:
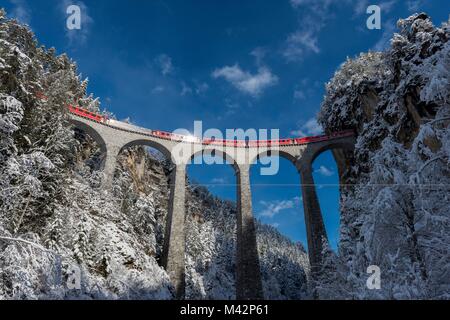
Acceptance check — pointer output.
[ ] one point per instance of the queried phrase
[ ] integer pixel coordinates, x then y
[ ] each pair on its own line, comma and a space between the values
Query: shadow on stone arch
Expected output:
92, 143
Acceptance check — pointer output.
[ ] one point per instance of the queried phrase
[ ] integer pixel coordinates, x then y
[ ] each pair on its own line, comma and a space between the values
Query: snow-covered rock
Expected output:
396, 213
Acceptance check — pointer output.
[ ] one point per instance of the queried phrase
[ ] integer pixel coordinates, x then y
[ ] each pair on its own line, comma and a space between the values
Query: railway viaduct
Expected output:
113, 139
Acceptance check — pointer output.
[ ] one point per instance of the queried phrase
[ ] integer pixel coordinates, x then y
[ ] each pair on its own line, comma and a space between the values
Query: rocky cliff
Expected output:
395, 205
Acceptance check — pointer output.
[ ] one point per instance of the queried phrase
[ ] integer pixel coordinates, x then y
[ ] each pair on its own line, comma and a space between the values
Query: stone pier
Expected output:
315, 228
248, 274
174, 243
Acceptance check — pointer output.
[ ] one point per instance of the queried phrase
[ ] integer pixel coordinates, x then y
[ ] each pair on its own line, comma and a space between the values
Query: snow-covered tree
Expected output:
396, 214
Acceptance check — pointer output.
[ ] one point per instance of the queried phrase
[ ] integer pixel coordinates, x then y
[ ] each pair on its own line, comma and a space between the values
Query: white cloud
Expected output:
259, 53
387, 6
414, 5
164, 62
360, 7
78, 37
324, 171
389, 27
218, 181
275, 224
231, 106
310, 128
298, 133
244, 81
201, 88
299, 43
304, 88
185, 89
312, 16
299, 94
157, 89
296, 3
272, 208
21, 11
316, 5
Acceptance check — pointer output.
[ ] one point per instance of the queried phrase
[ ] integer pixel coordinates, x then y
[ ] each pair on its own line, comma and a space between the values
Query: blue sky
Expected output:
231, 64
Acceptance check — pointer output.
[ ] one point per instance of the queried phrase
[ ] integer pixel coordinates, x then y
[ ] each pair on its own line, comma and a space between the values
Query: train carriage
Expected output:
86, 113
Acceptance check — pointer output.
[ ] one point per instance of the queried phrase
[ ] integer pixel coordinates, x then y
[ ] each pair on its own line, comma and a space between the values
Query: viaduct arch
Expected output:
116, 136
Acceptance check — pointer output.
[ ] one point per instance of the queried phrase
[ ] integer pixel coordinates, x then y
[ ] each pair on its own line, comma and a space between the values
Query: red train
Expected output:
226, 143
219, 142
87, 114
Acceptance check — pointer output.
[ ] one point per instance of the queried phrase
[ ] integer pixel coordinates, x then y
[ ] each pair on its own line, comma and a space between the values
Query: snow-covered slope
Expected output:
57, 225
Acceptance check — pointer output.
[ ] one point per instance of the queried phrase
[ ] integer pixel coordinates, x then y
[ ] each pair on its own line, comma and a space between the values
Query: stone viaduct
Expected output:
118, 136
